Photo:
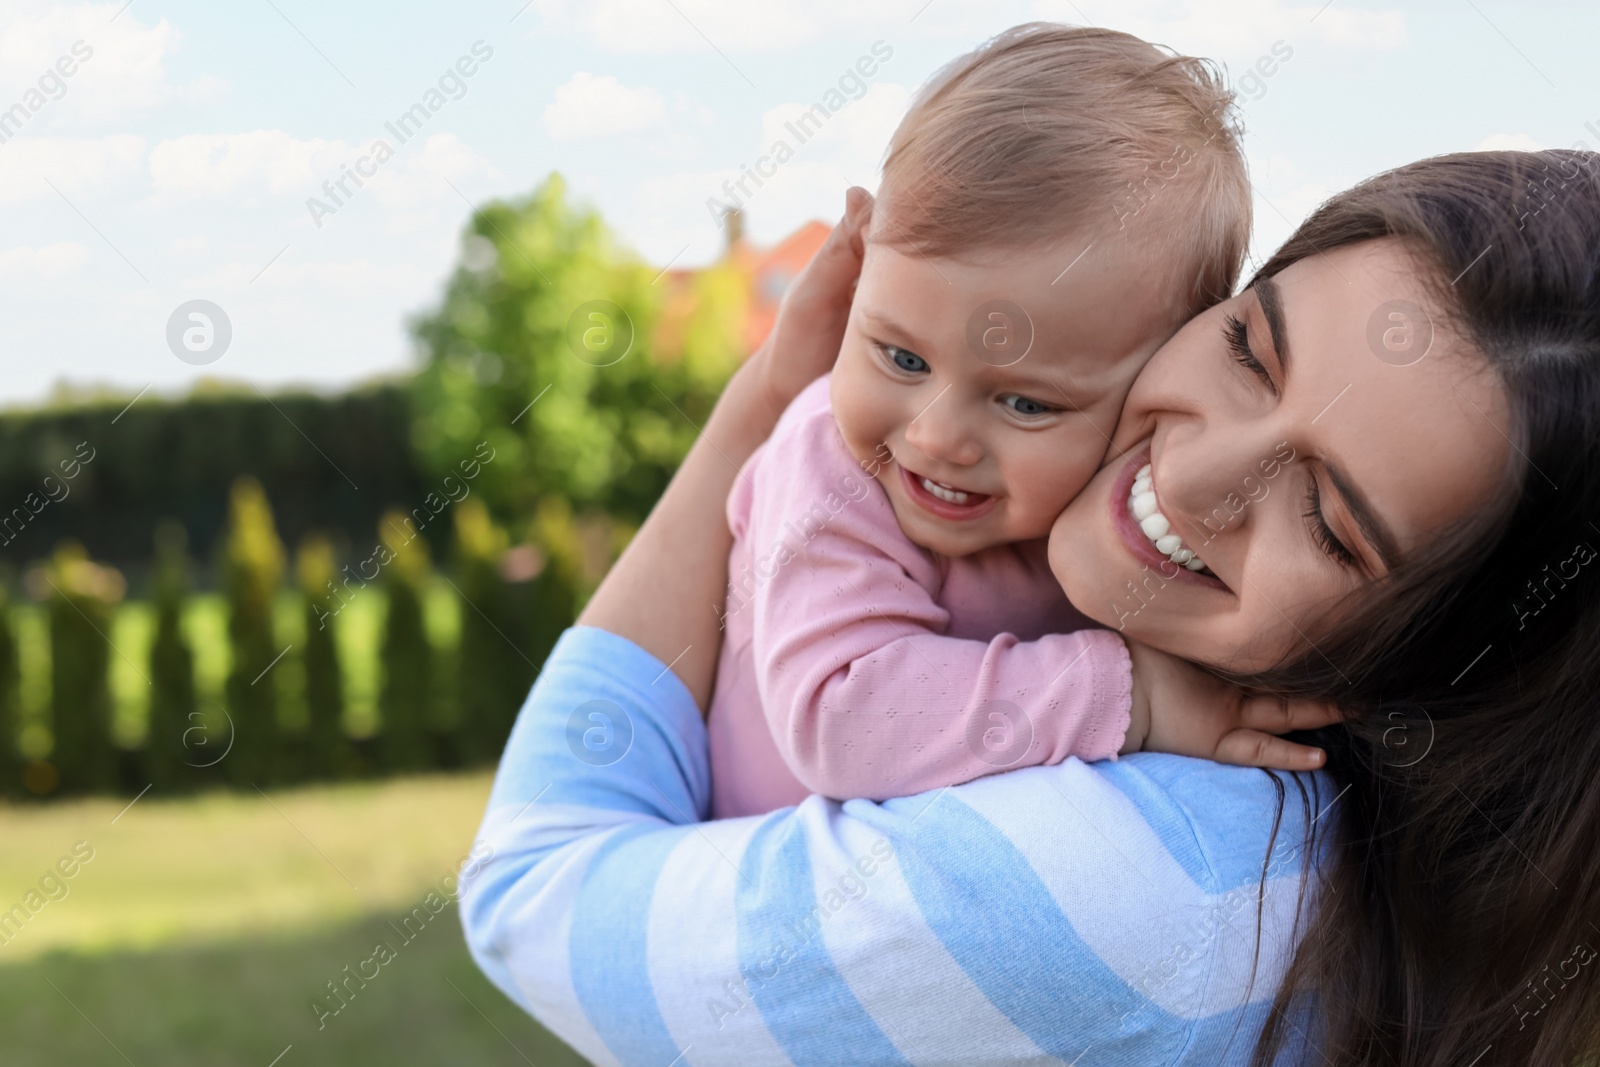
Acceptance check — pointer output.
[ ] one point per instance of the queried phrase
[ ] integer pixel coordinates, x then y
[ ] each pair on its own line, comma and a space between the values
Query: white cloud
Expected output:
854, 137
1353, 28
418, 180
1238, 30
669, 215
589, 106
206, 164
355, 278
1509, 142
126, 67
695, 25
72, 164
51, 261
1285, 194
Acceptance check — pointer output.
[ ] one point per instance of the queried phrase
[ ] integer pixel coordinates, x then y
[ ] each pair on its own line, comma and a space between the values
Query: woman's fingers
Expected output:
827, 283
810, 325
1254, 748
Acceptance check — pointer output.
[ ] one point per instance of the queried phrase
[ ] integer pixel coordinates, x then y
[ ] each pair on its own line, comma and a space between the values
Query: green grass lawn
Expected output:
202, 929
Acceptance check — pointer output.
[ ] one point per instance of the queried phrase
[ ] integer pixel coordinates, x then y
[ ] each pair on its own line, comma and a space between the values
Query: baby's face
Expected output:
994, 381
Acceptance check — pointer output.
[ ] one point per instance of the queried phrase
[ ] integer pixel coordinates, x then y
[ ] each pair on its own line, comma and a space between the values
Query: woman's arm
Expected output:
666, 592
1027, 918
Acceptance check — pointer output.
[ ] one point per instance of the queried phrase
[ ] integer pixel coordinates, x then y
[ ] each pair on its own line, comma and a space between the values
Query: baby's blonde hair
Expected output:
1049, 129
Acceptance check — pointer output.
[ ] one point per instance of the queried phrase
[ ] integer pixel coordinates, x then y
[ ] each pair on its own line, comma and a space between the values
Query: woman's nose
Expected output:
1204, 484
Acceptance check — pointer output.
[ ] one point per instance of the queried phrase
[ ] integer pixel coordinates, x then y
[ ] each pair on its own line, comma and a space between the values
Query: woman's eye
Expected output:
1027, 407
909, 362
1237, 335
1321, 532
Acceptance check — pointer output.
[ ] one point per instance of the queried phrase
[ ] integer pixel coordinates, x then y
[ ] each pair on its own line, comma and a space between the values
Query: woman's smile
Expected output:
1148, 534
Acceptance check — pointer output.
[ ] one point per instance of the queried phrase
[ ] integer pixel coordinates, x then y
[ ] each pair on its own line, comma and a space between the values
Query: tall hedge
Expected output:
83, 597
178, 459
406, 700
328, 752
253, 567
490, 665
173, 756
10, 704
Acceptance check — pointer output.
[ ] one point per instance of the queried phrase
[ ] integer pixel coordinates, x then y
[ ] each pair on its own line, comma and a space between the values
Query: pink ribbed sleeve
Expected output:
865, 693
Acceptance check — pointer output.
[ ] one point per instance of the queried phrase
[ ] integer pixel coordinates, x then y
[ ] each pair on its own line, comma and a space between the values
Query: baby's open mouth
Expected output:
942, 498
1143, 507
950, 494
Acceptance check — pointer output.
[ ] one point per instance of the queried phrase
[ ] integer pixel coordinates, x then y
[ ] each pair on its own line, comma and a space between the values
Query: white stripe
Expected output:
693, 949
896, 966
539, 961
1125, 895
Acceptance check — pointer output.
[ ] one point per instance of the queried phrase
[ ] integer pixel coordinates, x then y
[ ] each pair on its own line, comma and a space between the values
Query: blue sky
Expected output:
176, 162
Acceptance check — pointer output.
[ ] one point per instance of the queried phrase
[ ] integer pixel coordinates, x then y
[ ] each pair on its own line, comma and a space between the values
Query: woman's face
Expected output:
1287, 460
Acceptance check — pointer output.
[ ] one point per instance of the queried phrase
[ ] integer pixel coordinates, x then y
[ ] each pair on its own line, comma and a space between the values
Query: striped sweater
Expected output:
1089, 914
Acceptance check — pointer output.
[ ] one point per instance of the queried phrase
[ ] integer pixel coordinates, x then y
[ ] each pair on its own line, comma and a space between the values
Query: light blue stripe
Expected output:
1229, 1038
804, 1001
1214, 819
999, 921
663, 771
608, 941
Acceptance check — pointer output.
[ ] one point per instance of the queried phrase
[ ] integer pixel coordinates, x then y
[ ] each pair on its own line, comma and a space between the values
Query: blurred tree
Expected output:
83, 597
252, 568
569, 555
10, 704
328, 752
173, 710
405, 703
492, 671
545, 310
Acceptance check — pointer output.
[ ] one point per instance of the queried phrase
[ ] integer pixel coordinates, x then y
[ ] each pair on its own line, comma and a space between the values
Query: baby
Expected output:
1053, 207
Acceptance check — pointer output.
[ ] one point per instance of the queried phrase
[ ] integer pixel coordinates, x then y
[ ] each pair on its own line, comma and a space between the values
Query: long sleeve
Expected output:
865, 693
1028, 918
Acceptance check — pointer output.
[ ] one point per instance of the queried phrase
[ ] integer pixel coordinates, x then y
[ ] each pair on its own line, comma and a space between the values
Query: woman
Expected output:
1422, 562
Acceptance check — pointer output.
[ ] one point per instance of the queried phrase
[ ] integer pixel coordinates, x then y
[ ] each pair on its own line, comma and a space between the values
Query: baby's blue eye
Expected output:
1025, 406
909, 362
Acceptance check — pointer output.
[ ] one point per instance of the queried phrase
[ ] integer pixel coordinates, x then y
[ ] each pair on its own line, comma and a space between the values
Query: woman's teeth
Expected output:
944, 492
1142, 506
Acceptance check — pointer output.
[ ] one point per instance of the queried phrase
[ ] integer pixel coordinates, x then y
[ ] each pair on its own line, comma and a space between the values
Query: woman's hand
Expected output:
809, 328
1181, 709
666, 593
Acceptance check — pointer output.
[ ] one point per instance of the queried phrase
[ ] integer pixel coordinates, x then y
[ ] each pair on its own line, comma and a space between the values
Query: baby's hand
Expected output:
1179, 708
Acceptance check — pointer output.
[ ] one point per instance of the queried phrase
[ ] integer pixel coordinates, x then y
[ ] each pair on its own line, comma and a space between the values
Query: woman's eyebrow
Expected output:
1372, 527
1271, 301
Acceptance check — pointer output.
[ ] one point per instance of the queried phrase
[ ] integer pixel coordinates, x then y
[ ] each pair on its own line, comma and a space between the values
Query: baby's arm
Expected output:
864, 694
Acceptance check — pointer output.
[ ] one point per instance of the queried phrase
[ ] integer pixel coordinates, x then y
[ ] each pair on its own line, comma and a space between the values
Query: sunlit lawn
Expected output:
202, 929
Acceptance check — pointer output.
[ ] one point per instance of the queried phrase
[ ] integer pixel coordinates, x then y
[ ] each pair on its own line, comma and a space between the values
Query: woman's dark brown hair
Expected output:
1458, 912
